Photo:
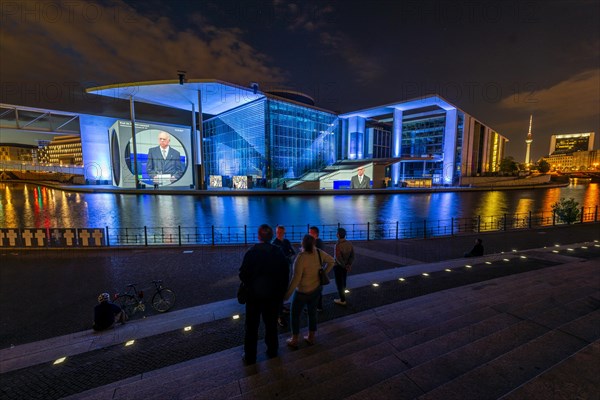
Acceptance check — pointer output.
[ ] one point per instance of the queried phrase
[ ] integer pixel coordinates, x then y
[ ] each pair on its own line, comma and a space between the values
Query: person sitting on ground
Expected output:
106, 314
477, 250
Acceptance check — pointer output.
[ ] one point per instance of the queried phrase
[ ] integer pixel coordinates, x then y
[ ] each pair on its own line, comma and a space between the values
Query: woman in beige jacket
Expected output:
306, 287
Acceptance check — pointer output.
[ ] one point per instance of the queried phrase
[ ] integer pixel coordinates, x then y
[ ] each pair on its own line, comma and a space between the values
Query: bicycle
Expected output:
132, 300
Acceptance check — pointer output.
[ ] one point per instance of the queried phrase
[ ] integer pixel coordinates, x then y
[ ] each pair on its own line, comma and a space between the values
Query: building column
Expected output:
396, 145
356, 138
448, 166
198, 146
133, 141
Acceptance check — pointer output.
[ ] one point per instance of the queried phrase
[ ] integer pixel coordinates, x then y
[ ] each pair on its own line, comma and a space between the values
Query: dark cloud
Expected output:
497, 60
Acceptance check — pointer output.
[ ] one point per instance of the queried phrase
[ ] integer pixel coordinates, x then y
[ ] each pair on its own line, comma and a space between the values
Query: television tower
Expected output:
528, 141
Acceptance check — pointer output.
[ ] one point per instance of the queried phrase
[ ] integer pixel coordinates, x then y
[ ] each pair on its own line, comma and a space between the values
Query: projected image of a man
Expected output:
164, 162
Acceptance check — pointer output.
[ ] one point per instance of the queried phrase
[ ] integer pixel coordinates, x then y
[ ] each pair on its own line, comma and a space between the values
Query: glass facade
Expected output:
270, 140
423, 137
234, 142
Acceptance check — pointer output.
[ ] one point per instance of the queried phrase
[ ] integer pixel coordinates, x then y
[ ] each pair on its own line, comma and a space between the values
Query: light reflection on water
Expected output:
27, 205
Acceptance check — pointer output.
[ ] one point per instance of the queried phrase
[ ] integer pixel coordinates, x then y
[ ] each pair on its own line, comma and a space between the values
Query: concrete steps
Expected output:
514, 337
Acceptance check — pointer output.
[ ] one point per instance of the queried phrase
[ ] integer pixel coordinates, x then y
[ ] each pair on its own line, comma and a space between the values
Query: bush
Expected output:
566, 210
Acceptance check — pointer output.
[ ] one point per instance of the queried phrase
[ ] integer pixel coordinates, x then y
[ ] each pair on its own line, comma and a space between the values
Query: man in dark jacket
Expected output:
265, 271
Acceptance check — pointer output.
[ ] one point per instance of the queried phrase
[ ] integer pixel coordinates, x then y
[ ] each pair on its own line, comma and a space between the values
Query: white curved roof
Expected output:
216, 96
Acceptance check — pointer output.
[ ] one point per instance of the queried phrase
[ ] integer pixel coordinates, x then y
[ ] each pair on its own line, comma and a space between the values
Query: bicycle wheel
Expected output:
163, 300
127, 303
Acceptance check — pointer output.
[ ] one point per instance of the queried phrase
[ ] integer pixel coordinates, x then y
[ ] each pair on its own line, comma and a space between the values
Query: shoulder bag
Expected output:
323, 278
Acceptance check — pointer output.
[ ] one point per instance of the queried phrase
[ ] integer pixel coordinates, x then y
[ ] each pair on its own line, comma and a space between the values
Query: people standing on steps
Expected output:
306, 288
314, 232
265, 272
344, 257
289, 253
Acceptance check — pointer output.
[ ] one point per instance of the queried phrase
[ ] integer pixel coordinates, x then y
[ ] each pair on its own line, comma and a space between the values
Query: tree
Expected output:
509, 165
566, 210
543, 166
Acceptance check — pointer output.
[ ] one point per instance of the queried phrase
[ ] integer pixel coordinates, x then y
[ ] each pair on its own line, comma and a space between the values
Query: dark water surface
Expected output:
29, 205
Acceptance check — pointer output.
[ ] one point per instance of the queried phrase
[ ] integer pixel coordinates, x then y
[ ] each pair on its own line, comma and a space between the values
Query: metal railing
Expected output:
215, 235
236, 235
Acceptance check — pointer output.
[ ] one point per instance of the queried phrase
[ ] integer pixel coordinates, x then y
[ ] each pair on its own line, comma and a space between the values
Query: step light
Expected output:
60, 360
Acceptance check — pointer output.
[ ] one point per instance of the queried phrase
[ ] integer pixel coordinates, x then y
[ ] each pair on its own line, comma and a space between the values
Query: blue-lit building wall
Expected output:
270, 139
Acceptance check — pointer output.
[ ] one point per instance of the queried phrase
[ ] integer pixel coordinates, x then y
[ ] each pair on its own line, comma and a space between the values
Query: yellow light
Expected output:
523, 257
555, 251
401, 279
187, 329
514, 250
376, 284
468, 266
346, 291
597, 245
487, 262
129, 343
59, 360
236, 316
569, 249
584, 247
557, 245
425, 274
506, 259
448, 270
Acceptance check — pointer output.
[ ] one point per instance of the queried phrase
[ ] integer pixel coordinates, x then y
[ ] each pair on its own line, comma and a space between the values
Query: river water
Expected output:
30, 205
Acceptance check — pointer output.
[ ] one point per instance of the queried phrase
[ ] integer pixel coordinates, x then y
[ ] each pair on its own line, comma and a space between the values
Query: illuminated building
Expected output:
271, 136
570, 143
429, 138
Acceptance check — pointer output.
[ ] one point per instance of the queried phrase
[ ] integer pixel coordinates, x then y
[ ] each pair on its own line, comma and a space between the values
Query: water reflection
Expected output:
26, 205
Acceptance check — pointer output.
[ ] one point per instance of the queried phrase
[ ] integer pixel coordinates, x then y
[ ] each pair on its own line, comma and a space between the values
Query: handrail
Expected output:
234, 235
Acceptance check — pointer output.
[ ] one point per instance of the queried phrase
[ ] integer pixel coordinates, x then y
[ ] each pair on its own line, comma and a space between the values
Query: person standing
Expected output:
344, 257
265, 272
314, 232
289, 253
360, 181
306, 288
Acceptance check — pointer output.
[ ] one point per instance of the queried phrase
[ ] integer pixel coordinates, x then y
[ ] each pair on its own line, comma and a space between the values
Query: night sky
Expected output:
496, 60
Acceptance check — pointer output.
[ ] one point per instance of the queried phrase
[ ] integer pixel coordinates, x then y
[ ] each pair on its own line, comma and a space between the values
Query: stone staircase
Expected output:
534, 335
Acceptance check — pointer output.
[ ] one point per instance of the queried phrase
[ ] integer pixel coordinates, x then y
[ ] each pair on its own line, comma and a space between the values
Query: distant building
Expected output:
570, 143
425, 138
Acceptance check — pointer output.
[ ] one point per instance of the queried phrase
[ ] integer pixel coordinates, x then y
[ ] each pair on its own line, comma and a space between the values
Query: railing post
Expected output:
553, 217
396, 230
582, 211
368, 230
179, 233
504, 222
212, 227
479, 224
108, 239
145, 236
529, 224
595, 215
424, 229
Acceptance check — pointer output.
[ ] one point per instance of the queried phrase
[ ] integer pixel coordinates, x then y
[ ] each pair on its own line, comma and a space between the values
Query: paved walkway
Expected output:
215, 331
